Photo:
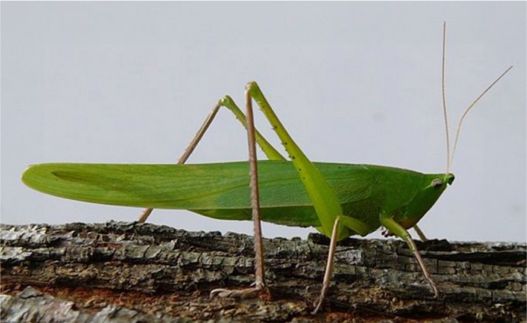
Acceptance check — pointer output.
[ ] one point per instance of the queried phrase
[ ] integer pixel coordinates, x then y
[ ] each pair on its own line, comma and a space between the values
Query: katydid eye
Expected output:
436, 182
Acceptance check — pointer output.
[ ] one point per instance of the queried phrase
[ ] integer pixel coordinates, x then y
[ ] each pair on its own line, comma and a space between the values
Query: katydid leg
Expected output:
420, 233
295, 152
255, 195
270, 152
329, 266
188, 151
259, 284
351, 223
323, 197
395, 228
320, 193
228, 103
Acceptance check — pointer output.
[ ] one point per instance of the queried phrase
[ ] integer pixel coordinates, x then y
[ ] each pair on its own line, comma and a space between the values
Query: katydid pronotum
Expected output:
339, 200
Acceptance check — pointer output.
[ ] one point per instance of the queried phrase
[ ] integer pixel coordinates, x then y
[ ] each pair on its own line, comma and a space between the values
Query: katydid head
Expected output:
427, 191
431, 188
442, 180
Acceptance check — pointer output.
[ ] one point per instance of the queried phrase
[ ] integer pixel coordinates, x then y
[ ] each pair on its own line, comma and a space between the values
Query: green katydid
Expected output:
339, 200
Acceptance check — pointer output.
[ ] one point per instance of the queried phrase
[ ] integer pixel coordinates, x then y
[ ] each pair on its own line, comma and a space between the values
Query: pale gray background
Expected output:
353, 82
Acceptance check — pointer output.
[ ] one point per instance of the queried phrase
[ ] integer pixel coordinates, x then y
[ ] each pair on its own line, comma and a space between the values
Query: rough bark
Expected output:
130, 272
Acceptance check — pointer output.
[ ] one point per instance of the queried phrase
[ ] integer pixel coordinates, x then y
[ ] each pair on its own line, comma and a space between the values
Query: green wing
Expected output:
216, 190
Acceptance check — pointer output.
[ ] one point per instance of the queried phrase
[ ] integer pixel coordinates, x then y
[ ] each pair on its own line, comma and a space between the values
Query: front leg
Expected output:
386, 233
396, 229
420, 233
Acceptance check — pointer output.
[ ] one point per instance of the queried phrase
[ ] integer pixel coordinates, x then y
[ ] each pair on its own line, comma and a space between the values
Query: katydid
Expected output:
339, 200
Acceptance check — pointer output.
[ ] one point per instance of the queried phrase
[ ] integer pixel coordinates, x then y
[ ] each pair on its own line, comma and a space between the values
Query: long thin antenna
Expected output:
458, 131
445, 115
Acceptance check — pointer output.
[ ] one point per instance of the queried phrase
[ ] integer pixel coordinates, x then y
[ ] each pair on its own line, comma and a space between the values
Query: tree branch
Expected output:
144, 272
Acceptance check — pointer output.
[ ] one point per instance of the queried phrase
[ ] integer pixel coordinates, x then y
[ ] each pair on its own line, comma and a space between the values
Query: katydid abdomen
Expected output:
220, 190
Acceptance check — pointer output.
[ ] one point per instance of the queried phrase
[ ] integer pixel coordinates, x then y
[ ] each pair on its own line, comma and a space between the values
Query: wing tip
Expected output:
38, 176
29, 174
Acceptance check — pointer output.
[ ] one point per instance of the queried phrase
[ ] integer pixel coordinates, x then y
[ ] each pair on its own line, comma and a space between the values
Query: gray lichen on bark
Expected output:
156, 273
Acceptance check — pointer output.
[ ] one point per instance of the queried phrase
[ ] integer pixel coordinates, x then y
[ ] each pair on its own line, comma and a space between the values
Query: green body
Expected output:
342, 199
221, 190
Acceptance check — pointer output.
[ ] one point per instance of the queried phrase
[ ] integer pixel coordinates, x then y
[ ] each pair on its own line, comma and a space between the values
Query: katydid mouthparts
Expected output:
339, 200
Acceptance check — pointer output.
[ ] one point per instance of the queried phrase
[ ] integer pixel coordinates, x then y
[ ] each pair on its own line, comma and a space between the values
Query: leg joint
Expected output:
226, 101
251, 85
